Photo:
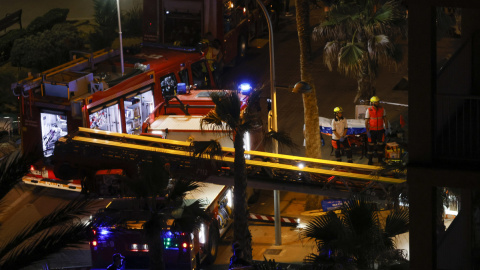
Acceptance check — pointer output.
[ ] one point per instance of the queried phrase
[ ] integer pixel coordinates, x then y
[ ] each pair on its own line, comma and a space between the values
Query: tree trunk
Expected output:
310, 107
366, 88
241, 233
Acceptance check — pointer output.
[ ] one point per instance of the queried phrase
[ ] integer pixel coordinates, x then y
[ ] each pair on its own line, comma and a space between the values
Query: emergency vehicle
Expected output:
235, 24
182, 249
90, 92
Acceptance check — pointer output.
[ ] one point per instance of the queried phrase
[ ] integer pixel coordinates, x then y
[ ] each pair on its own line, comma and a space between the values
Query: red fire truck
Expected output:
88, 92
182, 250
234, 24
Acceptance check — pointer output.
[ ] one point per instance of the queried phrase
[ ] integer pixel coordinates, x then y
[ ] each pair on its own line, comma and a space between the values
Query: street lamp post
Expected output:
273, 116
120, 36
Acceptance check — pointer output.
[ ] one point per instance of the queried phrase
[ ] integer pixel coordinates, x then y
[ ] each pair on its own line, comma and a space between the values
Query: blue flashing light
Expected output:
104, 231
245, 88
169, 234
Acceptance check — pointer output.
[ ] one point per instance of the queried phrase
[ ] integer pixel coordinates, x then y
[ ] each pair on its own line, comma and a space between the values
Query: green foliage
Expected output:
360, 36
48, 20
8, 102
107, 22
7, 40
132, 21
47, 49
355, 238
59, 229
267, 265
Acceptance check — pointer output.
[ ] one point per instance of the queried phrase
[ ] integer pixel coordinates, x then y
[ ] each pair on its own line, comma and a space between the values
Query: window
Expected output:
106, 119
137, 109
168, 84
54, 126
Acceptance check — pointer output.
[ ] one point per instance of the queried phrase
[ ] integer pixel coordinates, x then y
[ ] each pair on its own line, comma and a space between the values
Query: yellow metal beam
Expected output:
272, 165
298, 159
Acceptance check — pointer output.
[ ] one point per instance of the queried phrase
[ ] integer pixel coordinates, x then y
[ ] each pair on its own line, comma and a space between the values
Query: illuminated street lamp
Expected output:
120, 35
273, 117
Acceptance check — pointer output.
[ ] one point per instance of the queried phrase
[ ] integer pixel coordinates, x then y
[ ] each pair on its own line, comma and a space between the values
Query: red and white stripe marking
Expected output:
284, 220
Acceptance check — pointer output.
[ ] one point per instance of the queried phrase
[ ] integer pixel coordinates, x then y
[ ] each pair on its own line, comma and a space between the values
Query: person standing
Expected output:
117, 262
339, 135
375, 123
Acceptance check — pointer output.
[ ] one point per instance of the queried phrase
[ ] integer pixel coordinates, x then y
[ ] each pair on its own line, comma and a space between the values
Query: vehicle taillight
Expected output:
184, 245
134, 247
32, 168
94, 243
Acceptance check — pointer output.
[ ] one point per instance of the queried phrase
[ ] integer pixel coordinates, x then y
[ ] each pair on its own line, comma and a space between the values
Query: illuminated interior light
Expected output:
229, 198
201, 234
167, 12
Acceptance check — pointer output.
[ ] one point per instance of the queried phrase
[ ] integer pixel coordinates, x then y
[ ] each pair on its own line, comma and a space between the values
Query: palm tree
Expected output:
355, 239
360, 35
310, 108
155, 182
53, 232
228, 116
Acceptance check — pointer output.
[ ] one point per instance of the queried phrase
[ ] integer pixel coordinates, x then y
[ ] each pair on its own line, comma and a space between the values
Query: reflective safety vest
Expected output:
376, 118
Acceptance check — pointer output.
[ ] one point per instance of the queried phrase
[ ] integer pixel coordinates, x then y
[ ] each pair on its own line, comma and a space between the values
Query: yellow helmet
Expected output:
374, 99
338, 109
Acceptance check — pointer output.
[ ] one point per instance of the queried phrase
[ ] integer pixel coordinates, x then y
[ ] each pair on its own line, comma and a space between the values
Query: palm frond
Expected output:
60, 229
330, 53
227, 107
210, 149
12, 168
63, 215
324, 229
282, 137
180, 188
397, 222
190, 214
213, 121
350, 59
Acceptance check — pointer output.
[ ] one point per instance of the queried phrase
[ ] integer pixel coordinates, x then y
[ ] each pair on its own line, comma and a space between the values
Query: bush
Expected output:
132, 21
48, 20
107, 23
7, 40
47, 49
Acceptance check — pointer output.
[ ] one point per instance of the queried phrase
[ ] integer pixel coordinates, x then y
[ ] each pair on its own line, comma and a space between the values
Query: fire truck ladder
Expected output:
264, 170
29, 83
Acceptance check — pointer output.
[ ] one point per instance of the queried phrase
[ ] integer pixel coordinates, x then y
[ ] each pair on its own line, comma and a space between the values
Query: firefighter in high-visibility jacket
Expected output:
339, 135
375, 123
